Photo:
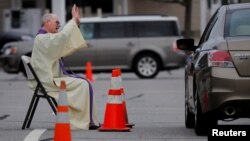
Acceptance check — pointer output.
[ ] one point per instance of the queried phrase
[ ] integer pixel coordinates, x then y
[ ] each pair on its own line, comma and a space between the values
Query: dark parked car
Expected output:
6, 37
217, 73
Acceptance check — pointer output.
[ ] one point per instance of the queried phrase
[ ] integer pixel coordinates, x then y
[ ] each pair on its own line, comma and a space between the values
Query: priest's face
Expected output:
53, 25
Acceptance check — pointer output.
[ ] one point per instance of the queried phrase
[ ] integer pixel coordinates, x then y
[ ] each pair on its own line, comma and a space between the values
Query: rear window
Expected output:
238, 23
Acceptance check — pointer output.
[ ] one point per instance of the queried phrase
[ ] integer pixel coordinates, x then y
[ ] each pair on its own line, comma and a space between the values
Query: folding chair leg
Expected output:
54, 101
53, 104
33, 112
27, 117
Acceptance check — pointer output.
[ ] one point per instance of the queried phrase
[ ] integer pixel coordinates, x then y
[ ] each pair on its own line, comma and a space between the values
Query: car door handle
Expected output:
130, 44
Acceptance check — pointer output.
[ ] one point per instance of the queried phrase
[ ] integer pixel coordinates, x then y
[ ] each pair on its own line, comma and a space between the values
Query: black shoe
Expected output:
93, 127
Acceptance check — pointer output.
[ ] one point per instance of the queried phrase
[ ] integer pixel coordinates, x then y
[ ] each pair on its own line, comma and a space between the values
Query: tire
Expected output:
203, 122
147, 65
189, 117
200, 122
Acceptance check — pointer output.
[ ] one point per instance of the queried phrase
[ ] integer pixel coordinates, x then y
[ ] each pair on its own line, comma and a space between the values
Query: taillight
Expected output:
175, 48
10, 51
219, 58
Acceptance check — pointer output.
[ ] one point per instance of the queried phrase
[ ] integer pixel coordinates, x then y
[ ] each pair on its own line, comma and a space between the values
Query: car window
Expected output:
238, 23
16, 19
130, 30
87, 30
208, 28
157, 28
112, 30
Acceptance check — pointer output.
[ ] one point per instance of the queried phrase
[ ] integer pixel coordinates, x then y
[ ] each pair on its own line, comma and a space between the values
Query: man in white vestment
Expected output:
49, 47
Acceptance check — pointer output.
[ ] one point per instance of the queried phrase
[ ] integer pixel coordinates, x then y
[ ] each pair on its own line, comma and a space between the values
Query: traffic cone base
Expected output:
62, 132
126, 129
114, 121
130, 125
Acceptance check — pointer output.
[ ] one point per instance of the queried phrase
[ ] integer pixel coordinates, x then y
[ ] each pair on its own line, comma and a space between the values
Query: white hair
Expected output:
47, 17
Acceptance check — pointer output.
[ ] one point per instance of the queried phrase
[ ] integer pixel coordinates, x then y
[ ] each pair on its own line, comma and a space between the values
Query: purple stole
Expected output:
71, 74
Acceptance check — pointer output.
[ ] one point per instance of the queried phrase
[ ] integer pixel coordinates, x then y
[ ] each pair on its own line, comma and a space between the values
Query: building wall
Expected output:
196, 17
4, 4
140, 7
171, 9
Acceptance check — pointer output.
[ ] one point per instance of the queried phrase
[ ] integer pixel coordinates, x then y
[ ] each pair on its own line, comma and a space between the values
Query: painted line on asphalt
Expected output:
34, 135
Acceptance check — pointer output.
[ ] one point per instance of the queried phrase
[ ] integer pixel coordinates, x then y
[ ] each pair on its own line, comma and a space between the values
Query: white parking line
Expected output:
34, 135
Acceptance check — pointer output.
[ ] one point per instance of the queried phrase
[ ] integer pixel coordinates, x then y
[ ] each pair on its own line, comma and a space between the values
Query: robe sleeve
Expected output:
63, 43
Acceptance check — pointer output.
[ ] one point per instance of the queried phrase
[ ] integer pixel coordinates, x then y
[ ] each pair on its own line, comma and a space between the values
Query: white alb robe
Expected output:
48, 49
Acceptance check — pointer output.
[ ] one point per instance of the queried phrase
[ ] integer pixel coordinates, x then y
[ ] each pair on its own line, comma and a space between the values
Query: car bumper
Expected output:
229, 93
10, 64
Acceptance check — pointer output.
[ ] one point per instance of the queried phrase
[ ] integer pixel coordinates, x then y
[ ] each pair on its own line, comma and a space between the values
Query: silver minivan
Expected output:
144, 44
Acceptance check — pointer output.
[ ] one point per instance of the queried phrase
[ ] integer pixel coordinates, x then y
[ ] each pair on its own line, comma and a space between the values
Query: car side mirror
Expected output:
186, 44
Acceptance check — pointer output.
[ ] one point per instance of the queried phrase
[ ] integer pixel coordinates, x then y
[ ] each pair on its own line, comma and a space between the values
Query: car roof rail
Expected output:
131, 15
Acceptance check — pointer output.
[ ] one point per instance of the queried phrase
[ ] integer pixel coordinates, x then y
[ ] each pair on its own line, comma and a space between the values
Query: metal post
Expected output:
125, 7
58, 8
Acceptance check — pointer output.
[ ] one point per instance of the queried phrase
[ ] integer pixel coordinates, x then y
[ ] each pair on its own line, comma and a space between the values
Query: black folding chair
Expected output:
39, 92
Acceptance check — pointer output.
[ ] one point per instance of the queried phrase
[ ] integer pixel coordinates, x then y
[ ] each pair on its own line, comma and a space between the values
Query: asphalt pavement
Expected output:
155, 106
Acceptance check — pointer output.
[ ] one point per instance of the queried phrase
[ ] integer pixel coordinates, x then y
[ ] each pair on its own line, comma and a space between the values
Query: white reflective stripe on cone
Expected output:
115, 83
114, 99
63, 98
120, 80
123, 97
62, 117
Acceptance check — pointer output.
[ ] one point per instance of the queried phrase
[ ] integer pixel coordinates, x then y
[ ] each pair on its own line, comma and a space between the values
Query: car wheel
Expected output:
147, 65
189, 117
203, 122
200, 123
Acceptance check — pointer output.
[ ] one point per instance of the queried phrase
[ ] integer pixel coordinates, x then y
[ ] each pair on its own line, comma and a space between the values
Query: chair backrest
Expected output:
31, 74
26, 61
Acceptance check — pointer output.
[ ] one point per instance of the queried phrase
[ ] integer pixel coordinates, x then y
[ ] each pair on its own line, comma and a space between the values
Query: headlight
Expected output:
10, 51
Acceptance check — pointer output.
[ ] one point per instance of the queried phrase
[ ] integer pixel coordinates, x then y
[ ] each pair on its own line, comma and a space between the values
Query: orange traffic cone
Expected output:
62, 127
130, 125
89, 74
114, 119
